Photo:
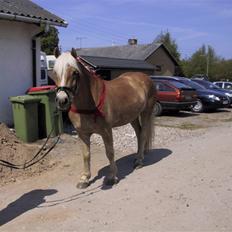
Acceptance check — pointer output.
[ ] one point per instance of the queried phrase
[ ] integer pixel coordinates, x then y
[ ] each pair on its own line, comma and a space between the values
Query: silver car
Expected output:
224, 84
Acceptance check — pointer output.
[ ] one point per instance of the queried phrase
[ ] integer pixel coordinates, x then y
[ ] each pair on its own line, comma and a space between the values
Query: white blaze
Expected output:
61, 65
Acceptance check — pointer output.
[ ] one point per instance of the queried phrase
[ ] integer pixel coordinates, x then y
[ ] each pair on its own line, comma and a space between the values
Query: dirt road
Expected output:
185, 185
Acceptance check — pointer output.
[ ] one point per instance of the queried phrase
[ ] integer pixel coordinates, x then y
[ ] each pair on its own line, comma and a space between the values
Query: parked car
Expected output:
210, 85
224, 84
206, 98
201, 76
173, 96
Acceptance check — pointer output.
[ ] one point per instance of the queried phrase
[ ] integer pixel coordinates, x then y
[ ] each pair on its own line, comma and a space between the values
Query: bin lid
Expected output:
41, 88
24, 99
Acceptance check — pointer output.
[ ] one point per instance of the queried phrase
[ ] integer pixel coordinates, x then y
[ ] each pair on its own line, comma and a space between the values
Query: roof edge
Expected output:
107, 57
168, 52
85, 59
14, 17
158, 46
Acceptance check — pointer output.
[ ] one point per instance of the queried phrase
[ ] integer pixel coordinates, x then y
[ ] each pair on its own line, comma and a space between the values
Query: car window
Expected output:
179, 85
207, 84
51, 64
185, 81
193, 84
218, 84
164, 88
228, 86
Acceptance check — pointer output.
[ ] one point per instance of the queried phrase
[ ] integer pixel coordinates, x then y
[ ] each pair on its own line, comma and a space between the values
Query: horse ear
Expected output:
56, 52
74, 53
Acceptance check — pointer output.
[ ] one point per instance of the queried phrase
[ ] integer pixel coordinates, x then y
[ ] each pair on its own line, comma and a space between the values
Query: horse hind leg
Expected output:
138, 162
145, 134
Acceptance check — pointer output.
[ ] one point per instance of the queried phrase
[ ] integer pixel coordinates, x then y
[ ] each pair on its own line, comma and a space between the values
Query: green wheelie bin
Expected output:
25, 114
50, 118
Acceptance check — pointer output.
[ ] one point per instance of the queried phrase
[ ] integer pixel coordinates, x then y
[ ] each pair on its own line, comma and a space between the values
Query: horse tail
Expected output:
150, 133
150, 129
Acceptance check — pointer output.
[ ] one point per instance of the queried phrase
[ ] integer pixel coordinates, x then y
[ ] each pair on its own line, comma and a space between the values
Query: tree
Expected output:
223, 70
169, 43
49, 41
203, 61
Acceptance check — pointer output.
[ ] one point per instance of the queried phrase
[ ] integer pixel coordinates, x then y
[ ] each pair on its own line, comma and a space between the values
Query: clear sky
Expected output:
99, 23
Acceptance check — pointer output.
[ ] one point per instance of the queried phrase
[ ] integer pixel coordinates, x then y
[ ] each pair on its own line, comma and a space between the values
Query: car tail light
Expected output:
178, 95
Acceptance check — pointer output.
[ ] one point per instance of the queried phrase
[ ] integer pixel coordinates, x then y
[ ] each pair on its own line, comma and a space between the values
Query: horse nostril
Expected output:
65, 101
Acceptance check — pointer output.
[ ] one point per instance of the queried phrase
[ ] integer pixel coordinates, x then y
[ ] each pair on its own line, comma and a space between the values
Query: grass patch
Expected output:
183, 126
190, 126
227, 119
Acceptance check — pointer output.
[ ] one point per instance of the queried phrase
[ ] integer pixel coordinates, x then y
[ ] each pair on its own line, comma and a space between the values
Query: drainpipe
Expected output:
34, 63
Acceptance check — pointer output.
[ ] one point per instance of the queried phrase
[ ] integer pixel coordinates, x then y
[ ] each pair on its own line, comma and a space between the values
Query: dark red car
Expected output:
173, 95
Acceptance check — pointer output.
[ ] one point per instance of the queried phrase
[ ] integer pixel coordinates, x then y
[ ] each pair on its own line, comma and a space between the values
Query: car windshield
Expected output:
179, 85
193, 84
51, 64
208, 84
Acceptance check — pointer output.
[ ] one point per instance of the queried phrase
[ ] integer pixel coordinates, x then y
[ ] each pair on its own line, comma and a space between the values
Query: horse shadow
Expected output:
26, 202
125, 165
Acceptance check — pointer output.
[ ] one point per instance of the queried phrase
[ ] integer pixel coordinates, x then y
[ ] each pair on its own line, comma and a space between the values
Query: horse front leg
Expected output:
86, 174
107, 137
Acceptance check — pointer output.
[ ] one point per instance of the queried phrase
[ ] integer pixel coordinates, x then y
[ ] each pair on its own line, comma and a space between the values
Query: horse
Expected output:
96, 106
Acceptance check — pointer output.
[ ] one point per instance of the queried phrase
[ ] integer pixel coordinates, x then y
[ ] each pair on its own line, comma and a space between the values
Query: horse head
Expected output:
66, 76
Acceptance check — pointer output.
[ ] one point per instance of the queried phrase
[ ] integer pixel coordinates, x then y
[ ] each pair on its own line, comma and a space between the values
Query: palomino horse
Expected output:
96, 106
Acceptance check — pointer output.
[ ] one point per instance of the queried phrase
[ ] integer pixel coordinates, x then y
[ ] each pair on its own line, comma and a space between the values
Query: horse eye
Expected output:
75, 74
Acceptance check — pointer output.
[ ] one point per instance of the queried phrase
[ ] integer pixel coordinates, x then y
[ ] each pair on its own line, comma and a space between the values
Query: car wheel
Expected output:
157, 109
198, 108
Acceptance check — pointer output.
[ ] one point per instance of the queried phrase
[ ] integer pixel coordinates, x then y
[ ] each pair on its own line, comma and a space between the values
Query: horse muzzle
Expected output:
63, 99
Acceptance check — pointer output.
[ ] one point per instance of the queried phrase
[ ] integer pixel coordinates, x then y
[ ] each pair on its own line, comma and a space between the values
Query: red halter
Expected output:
97, 112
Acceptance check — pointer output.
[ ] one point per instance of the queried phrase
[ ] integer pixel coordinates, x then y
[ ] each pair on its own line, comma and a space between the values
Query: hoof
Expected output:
138, 165
110, 181
82, 185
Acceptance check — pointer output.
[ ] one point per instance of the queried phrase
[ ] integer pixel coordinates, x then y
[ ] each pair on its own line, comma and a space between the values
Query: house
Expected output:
20, 31
154, 57
110, 68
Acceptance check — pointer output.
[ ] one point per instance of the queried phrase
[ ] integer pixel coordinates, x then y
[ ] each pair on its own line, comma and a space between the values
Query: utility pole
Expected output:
80, 39
206, 55
207, 62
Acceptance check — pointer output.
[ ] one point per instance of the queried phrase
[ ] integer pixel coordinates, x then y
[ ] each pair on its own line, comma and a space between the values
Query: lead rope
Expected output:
31, 162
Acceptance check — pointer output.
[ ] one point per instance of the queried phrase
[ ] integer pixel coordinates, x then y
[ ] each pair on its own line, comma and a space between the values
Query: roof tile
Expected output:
28, 9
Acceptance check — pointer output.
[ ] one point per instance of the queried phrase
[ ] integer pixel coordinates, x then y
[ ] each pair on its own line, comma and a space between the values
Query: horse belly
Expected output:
125, 114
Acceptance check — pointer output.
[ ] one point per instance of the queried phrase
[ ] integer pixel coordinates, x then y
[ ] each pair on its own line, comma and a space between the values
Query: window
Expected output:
43, 74
164, 88
51, 64
219, 84
228, 86
158, 68
179, 85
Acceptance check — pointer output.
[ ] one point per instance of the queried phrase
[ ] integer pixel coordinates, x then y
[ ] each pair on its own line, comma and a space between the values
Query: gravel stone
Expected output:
125, 137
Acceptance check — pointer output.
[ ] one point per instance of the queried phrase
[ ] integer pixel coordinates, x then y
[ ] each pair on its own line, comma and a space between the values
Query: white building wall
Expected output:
15, 63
